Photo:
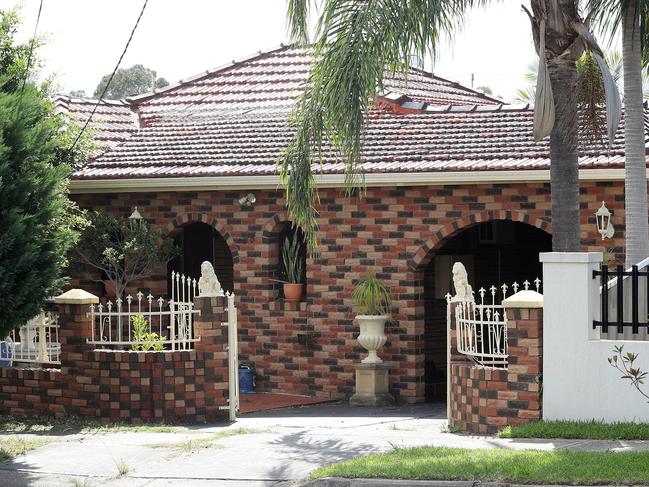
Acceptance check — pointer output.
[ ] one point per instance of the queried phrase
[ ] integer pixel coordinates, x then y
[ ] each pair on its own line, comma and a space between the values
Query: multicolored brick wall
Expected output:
187, 386
485, 400
392, 232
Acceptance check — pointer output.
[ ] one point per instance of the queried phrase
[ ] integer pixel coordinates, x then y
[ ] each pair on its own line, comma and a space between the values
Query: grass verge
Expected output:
524, 467
588, 430
68, 425
14, 446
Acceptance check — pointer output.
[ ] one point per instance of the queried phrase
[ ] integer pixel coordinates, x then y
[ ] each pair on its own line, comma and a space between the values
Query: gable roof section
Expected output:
272, 81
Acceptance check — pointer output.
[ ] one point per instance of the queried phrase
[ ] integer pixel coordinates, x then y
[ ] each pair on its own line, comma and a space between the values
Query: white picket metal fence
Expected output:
145, 323
36, 342
481, 328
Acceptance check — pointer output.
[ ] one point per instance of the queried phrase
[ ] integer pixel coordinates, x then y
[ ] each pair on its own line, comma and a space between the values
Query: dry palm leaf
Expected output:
544, 99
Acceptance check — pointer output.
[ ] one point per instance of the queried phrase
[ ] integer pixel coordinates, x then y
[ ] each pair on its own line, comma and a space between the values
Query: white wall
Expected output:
578, 382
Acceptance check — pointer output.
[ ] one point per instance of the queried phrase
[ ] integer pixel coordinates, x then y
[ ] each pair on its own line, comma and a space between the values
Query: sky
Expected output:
179, 39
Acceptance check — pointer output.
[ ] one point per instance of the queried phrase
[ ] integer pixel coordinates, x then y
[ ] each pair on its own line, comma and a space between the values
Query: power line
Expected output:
31, 49
101, 98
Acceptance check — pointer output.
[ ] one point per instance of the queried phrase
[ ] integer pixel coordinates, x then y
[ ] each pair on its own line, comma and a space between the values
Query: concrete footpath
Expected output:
261, 449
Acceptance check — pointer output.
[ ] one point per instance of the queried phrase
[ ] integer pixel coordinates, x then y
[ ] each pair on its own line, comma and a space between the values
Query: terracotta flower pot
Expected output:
293, 292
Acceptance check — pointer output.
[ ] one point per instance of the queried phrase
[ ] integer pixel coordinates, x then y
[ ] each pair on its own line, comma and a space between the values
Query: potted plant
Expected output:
372, 302
293, 268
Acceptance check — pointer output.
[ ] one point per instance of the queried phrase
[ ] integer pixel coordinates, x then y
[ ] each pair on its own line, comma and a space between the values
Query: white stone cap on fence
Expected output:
524, 299
571, 257
76, 296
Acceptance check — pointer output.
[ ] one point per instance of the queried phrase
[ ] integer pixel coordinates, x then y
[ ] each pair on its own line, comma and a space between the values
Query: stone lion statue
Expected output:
463, 290
209, 285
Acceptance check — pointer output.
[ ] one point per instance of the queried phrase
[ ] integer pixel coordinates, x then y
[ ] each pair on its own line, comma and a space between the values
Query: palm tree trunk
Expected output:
564, 165
635, 179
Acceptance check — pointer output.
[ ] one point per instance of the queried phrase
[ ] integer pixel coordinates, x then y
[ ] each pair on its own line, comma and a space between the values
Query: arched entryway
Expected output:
493, 252
199, 242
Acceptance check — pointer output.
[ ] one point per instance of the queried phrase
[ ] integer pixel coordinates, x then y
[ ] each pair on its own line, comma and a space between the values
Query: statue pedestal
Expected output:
372, 386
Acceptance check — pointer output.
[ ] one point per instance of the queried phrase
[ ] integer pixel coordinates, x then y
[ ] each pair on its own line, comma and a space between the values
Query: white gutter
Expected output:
214, 183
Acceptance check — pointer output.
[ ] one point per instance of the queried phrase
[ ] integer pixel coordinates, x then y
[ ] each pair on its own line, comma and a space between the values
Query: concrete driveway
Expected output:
261, 449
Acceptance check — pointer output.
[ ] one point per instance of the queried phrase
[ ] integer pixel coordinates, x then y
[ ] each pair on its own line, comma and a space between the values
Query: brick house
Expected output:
452, 174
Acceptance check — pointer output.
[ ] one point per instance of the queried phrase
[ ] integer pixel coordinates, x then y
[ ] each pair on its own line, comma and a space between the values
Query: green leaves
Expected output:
292, 259
147, 339
125, 251
36, 226
129, 81
372, 297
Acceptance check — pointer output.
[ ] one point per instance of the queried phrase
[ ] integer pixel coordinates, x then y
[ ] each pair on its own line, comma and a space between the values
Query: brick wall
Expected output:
187, 386
393, 232
485, 400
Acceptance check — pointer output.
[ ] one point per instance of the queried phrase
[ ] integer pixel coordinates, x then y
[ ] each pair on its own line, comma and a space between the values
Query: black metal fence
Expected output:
618, 321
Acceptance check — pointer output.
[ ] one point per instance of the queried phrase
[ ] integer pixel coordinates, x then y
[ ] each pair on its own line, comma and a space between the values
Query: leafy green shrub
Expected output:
372, 297
141, 333
292, 259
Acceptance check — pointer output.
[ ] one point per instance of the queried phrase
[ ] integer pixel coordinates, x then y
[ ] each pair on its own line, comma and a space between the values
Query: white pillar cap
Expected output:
571, 257
524, 299
76, 296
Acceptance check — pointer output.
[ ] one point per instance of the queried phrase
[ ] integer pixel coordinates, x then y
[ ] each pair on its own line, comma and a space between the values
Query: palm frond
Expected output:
356, 42
298, 20
612, 97
609, 15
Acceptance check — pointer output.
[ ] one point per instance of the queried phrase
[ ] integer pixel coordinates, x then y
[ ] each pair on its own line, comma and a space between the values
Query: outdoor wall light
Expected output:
248, 200
604, 225
135, 219
135, 216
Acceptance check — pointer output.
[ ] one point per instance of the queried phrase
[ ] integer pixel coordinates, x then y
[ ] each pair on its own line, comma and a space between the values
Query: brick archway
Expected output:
270, 228
187, 218
425, 253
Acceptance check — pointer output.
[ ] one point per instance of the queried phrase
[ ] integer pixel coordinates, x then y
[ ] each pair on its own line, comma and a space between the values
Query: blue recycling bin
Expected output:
6, 354
247, 379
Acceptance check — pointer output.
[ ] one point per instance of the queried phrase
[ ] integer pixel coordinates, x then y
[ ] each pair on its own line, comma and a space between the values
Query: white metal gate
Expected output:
233, 358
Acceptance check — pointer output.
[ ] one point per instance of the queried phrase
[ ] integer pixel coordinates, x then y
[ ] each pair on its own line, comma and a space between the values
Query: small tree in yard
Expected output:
126, 251
37, 222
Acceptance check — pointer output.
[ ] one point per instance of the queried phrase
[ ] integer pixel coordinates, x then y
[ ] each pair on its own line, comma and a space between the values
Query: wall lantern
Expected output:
135, 218
604, 225
248, 200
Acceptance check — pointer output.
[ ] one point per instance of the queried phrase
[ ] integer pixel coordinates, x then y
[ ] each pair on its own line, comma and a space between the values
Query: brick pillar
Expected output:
75, 328
525, 347
485, 400
211, 351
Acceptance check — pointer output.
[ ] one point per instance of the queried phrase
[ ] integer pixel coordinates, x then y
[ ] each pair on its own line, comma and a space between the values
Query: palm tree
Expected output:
632, 16
356, 41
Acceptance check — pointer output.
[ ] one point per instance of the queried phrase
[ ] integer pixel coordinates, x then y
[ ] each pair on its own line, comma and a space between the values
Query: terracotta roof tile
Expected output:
233, 121
113, 122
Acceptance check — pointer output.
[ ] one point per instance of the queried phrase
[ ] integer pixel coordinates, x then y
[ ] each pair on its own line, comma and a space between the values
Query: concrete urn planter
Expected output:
372, 336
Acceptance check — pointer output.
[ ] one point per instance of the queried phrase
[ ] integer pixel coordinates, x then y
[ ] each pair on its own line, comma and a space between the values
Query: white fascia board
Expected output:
142, 185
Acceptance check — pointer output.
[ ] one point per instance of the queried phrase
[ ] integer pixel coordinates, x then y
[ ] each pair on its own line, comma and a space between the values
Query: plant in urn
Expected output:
373, 303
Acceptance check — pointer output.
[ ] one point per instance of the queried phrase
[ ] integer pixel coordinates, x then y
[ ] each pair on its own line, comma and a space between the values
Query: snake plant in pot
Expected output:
293, 268
372, 302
